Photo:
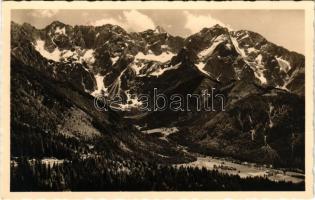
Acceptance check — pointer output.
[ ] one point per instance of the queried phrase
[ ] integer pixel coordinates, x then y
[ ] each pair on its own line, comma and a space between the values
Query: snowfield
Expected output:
40, 47
284, 65
163, 57
79, 55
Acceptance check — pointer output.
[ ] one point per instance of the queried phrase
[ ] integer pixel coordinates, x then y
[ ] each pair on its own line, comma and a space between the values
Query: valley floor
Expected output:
232, 166
245, 169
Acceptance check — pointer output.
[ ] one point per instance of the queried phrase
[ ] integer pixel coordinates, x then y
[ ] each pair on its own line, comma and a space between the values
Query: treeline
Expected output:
100, 174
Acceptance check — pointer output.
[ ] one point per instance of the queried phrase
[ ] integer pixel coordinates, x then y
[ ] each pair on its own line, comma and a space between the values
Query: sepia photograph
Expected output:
136, 99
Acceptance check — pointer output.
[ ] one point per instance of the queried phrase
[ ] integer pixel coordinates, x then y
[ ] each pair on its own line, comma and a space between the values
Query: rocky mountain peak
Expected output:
56, 25
218, 26
159, 29
217, 52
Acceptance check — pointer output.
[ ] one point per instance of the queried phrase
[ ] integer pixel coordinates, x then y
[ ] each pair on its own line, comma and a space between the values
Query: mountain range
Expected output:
57, 71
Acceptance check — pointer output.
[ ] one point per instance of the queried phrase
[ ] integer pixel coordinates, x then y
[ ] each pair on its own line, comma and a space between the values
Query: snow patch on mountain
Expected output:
114, 59
60, 31
229, 46
251, 49
158, 72
124, 147
40, 47
78, 55
295, 73
164, 46
252, 133
100, 85
259, 59
283, 64
136, 67
259, 73
88, 56
163, 57
270, 113
237, 48
132, 101
201, 66
68, 54
116, 86
208, 51
244, 37
258, 68
166, 131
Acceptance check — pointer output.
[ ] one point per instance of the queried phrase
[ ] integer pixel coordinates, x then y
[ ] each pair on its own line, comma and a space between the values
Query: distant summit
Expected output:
159, 29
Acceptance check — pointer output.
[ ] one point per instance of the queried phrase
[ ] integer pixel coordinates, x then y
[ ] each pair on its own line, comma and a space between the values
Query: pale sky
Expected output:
282, 27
